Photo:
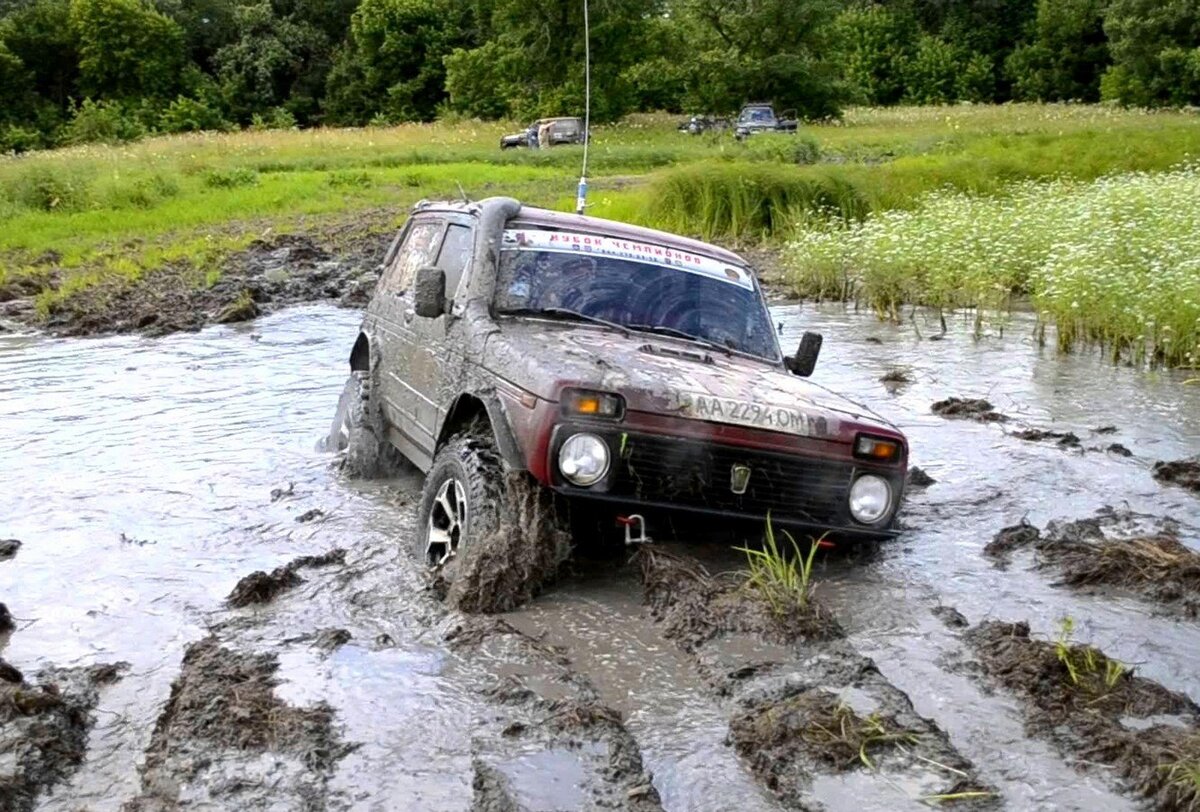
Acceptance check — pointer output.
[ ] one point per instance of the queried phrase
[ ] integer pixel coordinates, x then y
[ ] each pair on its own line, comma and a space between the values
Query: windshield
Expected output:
755, 115
638, 286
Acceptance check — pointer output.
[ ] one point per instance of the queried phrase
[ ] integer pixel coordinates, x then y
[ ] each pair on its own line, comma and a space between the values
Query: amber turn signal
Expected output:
592, 404
874, 448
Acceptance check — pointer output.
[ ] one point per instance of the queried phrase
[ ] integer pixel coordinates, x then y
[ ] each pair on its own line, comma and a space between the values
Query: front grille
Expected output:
695, 474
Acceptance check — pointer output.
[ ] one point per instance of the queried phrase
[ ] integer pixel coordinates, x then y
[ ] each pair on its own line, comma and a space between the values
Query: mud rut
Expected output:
303, 677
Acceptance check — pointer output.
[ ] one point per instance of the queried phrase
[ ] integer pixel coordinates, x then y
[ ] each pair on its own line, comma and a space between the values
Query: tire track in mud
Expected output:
366, 687
815, 721
1098, 712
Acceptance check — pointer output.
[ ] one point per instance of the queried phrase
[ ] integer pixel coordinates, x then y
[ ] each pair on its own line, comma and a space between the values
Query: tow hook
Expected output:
630, 522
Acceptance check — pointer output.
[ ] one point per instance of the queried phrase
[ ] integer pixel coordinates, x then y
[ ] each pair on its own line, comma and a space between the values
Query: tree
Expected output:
393, 63
777, 50
127, 50
1067, 56
1155, 48
16, 88
274, 62
40, 35
875, 44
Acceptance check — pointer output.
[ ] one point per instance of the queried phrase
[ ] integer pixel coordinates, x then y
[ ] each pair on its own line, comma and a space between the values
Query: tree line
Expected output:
74, 71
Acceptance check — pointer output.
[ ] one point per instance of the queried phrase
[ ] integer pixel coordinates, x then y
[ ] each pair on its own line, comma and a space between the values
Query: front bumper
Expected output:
682, 475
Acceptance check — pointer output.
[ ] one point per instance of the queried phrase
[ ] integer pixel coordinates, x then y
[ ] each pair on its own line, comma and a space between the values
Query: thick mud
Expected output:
805, 706
273, 272
1098, 711
1114, 550
44, 725
147, 477
262, 587
1185, 473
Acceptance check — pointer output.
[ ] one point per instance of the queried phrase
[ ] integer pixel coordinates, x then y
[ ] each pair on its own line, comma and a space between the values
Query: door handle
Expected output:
408, 315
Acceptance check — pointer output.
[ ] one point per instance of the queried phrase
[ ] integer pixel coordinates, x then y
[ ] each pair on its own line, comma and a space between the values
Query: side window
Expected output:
418, 251
455, 255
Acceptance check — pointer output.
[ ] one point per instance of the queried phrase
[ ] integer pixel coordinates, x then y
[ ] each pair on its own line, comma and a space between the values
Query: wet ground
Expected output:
146, 477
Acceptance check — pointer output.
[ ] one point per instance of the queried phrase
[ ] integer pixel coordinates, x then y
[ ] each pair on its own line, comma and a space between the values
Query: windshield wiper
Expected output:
671, 331
566, 312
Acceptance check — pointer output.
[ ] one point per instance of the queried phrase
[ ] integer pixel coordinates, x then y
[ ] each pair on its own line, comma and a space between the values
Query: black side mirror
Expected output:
805, 360
429, 293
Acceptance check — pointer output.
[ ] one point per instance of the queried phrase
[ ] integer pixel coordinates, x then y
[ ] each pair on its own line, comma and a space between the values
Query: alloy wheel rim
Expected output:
447, 522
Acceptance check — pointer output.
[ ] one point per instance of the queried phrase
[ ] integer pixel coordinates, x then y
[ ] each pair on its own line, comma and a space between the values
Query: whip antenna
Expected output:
581, 194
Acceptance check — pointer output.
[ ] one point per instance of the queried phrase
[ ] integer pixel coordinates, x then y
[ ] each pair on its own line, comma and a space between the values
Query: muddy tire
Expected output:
491, 538
358, 430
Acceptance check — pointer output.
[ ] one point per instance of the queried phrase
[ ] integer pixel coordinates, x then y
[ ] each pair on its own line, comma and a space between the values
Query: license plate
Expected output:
755, 415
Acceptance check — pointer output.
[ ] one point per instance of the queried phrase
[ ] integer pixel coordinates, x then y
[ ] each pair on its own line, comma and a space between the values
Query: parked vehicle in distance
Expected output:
632, 375
564, 130
695, 125
760, 118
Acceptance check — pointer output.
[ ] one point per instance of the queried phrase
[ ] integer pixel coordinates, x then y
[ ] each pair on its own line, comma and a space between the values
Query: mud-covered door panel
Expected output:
438, 357
398, 325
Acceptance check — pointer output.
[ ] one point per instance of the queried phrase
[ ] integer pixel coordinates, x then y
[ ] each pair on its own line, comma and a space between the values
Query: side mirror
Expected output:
429, 293
805, 360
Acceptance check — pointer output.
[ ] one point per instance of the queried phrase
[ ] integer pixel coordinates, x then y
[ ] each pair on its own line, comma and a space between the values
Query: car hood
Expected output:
662, 375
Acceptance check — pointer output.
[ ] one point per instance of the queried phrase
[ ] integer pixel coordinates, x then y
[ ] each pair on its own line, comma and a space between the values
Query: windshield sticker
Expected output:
568, 242
756, 415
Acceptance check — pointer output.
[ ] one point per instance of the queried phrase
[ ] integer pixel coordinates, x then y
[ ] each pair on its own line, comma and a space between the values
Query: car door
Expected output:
396, 330
438, 360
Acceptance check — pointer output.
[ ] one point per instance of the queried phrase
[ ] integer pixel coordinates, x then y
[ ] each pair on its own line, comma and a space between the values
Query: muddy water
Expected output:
139, 474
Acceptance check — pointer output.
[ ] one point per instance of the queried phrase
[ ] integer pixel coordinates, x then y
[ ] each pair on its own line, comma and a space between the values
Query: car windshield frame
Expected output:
715, 304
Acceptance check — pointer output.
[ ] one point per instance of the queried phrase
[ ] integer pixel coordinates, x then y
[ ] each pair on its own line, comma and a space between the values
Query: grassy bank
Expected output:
73, 218
1115, 261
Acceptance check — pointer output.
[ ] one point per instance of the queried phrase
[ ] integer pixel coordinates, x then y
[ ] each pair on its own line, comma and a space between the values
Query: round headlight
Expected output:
870, 498
583, 459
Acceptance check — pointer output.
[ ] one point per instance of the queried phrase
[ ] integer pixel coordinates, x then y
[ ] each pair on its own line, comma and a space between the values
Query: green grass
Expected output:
1114, 261
781, 577
97, 213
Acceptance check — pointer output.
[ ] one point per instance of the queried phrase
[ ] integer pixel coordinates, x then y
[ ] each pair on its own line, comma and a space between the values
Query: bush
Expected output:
230, 178
141, 193
14, 138
789, 149
50, 188
277, 118
185, 115
106, 122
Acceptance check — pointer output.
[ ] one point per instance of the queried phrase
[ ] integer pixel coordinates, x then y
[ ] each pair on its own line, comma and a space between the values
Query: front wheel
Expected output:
358, 431
490, 537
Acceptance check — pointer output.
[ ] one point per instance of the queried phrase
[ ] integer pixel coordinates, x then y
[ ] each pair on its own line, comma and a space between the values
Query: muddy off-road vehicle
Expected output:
567, 130
626, 380
761, 118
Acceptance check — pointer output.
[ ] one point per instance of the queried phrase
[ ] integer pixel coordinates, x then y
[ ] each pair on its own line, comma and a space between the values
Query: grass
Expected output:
1114, 261
782, 578
1088, 669
97, 214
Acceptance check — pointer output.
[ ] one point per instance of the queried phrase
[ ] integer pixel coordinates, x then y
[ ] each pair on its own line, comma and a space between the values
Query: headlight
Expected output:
870, 498
583, 459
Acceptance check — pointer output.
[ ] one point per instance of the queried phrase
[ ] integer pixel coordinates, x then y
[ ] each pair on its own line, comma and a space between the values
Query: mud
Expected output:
510, 566
6, 620
969, 409
263, 587
1091, 716
339, 265
695, 606
545, 713
1185, 473
1065, 439
222, 713
917, 478
1137, 554
8, 548
807, 706
44, 728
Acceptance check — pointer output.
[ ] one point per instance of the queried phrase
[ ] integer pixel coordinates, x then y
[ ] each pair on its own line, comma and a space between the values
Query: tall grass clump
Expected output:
783, 578
738, 200
1114, 262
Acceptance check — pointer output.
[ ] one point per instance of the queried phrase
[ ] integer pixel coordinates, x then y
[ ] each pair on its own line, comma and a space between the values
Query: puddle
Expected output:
138, 475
